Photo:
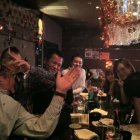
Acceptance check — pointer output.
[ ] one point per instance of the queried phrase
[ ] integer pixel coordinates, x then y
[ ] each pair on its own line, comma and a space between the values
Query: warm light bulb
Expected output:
40, 27
97, 7
135, 13
138, 2
1, 27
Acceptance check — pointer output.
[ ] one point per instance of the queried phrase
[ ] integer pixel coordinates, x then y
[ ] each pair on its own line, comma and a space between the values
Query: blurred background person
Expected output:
122, 69
109, 81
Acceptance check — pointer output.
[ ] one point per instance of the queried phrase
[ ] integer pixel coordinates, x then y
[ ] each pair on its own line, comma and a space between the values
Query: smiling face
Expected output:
123, 72
77, 62
55, 63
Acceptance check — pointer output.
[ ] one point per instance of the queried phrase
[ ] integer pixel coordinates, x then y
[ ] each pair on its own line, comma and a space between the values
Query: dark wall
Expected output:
77, 39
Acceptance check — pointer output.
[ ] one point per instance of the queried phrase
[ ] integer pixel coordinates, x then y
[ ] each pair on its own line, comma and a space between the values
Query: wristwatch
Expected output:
60, 94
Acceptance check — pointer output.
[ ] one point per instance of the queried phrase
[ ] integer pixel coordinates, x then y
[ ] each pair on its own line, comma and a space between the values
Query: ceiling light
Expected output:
138, 2
54, 8
135, 13
97, 7
1, 27
89, 2
99, 18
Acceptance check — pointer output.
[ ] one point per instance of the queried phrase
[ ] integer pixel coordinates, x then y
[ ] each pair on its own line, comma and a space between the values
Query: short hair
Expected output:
108, 71
12, 49
76, 55
132, 85
125, 62
50, 53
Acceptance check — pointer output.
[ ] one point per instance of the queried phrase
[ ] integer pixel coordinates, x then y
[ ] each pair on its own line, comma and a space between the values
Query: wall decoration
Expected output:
104, 55
88, 53
95, 54
120, 21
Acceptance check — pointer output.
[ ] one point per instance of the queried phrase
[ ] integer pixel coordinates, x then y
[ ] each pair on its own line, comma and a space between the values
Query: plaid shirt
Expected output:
26, 83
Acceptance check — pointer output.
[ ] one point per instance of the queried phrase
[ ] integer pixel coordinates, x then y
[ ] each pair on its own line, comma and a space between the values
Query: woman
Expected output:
108, 86
122, 69
109, 80
132, 89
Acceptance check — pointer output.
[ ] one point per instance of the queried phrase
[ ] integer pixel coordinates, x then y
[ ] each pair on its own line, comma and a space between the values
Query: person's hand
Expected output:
120, 82
23, 65
18, 64
63, 83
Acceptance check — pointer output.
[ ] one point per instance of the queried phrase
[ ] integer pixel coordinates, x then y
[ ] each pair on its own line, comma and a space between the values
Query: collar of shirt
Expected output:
4, 91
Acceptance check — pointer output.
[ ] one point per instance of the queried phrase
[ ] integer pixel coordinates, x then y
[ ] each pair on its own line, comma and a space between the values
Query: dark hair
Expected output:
12, 49
50, 53
76, 55
126, 63
132, 85
106, 85
108, 71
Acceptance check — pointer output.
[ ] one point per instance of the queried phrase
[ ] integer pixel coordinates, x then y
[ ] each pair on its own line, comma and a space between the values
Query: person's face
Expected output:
110, 77
7, 83
123, 72
55, 63
77, 62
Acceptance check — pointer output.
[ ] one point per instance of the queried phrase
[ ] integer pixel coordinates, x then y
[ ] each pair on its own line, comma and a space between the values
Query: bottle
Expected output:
81, 107
129, 117
116, 121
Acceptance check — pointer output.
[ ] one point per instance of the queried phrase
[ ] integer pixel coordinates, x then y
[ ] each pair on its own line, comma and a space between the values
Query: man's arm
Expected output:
29, 125
35, 72
16, 119
42, 75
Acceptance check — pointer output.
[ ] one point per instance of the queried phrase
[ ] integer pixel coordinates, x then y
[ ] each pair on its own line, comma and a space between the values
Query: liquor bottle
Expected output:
116, 120
129, 117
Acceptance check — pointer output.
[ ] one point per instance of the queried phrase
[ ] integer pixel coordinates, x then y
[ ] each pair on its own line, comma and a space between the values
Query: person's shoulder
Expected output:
83, 70
65, 71
132, 84
7, 99
9, 105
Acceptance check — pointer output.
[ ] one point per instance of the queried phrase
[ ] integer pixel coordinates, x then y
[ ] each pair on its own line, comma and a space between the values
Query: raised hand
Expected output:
18, 64
63, 83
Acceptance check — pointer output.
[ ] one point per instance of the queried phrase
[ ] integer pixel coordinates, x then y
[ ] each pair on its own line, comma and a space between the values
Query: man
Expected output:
32, 76
53, 61
25, 81
14, 118
79, 84
41, 100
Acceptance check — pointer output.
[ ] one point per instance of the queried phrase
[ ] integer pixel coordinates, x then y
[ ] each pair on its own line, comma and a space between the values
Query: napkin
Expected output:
106, 121
85, 134
103, 112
